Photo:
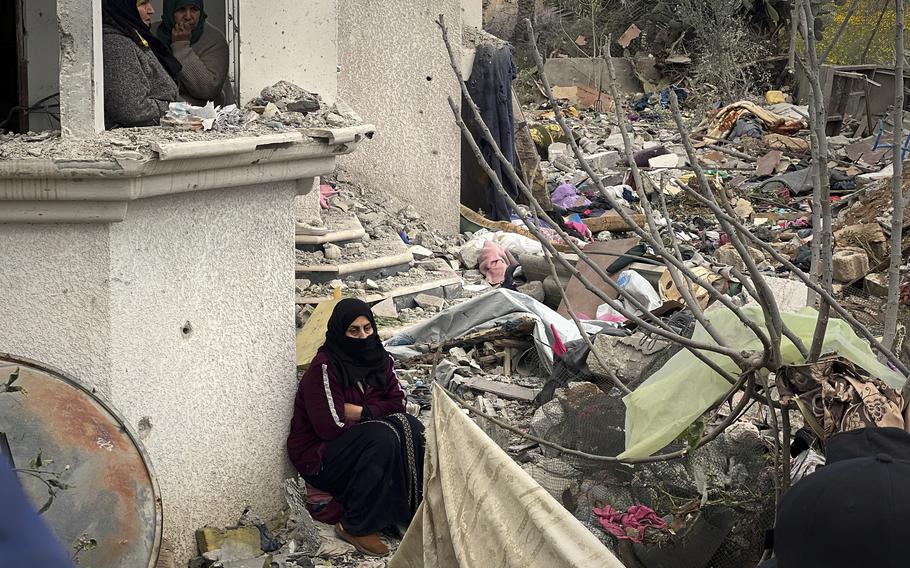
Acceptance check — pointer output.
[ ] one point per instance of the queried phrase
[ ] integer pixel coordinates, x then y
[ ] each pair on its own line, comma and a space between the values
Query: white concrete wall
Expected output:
219, 399
472, 13
54, 295
43, 53
106, 303
293, 41
399, 80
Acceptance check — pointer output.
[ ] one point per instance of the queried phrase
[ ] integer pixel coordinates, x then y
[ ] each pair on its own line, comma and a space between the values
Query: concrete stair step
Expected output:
343, 228
442, 281
376, 258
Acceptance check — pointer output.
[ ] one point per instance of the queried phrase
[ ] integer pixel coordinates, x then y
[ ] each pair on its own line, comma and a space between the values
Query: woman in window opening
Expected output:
200, 48
351, 437
139, 70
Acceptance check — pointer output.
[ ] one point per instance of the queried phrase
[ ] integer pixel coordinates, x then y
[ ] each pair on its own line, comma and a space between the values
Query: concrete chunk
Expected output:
386, 309
426, 301
242, 542
849, 264
603, 160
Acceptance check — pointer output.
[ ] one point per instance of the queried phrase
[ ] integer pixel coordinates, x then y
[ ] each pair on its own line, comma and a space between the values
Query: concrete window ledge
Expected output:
99, 191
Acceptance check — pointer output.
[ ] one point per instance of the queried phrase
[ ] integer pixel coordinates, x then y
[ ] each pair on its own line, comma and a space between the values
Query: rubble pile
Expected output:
283, 107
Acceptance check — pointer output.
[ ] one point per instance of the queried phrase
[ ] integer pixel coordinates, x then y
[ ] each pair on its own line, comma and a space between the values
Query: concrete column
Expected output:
472, 13
81, 68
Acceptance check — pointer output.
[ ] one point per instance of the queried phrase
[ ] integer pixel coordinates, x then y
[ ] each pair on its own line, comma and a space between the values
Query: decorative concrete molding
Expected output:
99, 191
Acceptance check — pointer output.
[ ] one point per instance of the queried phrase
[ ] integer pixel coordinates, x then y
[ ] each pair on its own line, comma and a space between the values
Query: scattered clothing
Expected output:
493, 262
631, 525
834, 395
566, 196
490, 86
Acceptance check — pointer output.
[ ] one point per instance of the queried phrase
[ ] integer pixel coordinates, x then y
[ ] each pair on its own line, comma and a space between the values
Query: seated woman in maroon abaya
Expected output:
350, 435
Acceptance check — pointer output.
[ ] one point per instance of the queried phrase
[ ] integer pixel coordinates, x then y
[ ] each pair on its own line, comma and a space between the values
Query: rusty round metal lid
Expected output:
112, 495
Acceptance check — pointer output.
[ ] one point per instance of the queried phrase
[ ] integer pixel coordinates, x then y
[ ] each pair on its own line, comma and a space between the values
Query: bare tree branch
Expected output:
768, 249
666, 255
821, 185
746, 382
897, 196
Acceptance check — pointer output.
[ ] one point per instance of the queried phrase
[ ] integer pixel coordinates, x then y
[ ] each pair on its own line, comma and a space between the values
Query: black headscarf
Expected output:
123, 15
355, 360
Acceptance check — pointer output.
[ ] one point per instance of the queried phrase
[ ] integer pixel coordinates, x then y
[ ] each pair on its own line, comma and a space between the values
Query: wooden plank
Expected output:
611, 221
602, 253
503, 390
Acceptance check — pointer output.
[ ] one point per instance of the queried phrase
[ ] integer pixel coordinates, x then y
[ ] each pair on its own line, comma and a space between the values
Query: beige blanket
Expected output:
480, 509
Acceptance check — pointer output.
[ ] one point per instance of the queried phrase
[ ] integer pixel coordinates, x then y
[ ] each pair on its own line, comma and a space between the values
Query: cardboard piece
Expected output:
312, 336
603, 254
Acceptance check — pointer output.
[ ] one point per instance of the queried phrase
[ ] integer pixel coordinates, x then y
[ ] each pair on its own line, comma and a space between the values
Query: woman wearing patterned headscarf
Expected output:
200, 48
350, 435
138, 69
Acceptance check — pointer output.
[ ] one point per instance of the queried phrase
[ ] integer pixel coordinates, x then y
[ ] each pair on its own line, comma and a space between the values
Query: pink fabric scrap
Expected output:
559, 348
493, 261
582, 229
326, 191
630, 525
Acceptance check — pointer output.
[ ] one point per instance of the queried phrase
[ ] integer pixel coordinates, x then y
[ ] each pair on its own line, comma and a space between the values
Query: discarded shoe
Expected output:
371, 545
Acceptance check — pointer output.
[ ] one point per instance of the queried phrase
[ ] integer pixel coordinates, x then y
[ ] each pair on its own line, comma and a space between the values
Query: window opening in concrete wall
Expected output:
28, 101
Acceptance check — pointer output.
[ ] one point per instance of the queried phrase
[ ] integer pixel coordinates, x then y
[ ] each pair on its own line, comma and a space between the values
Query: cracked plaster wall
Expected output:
395, 73
108, 304
54, 291
218, 398
291, 41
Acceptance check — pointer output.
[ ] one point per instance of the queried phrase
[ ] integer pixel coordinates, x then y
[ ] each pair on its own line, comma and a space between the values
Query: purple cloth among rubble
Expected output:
566, 196
630, 525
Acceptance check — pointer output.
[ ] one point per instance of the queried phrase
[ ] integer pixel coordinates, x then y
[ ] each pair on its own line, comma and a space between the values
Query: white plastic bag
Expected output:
636, 285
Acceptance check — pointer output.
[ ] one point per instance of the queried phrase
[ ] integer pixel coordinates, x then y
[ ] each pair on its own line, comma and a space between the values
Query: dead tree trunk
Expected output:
897, 194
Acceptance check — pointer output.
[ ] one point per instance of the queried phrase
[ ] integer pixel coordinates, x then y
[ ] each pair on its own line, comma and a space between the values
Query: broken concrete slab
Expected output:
533, 289
504, 390
670, 160
631, 358
428, 301
727, 254
420, 252
603, 160
876, 284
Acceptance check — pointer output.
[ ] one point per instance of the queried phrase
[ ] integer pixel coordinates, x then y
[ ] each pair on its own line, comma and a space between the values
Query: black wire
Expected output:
37, 106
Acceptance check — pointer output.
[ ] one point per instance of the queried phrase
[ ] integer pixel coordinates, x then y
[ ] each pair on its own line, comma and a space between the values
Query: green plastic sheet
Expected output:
685, 387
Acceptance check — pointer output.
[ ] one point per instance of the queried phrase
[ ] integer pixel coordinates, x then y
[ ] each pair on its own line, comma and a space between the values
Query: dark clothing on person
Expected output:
123, 15
373, 466
25, 539
850, 512
490, 85
355, 359
137, 90
319, 410
375, 470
